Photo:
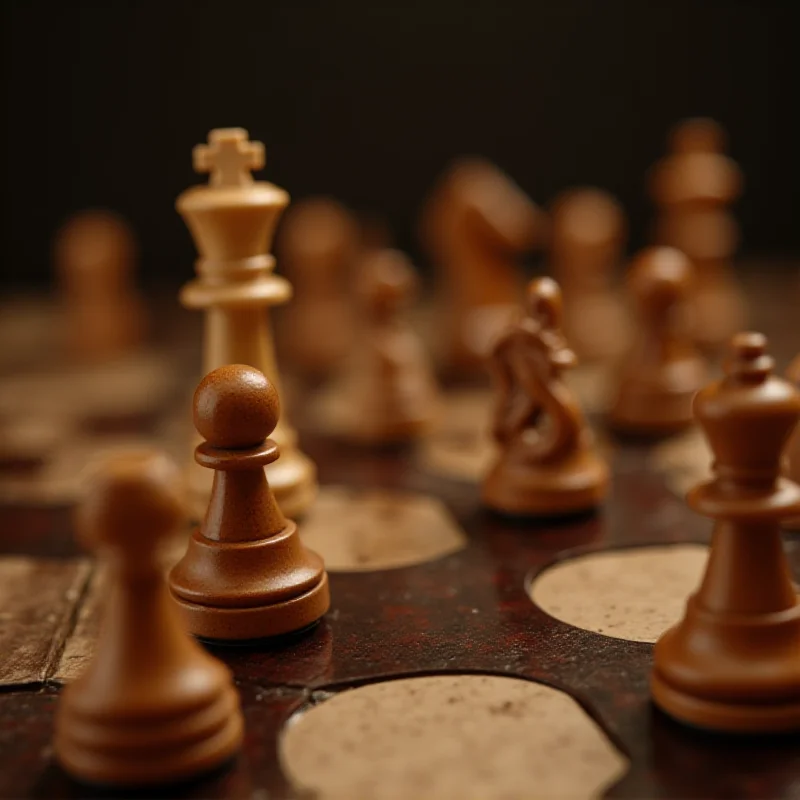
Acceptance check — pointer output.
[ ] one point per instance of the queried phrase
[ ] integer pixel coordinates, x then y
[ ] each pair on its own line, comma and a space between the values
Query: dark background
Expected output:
368, 101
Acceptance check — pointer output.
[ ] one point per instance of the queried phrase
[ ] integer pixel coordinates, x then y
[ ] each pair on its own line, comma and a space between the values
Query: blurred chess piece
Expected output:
733, 662
232, 220
318, 242
391, 387
152, 707
587, 242
547, 463
660, 376
793, 448
693, 188
475, 226
94, 255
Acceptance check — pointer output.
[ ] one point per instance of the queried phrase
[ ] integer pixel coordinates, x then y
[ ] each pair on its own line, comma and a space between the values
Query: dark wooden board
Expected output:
467, 612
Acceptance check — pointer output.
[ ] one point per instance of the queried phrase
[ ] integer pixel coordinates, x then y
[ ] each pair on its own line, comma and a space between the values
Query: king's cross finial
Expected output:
229, 157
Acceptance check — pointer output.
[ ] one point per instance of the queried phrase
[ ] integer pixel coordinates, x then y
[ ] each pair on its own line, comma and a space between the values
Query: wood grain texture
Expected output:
38, 599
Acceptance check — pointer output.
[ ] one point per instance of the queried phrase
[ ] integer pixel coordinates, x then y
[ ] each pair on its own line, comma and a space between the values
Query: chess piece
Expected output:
733, 662
232, 220
664, 370
587, 240
793, 448
103, 315
393, 394
152, 707
245, 574
318, 244
693, 188
547, 464
475, 226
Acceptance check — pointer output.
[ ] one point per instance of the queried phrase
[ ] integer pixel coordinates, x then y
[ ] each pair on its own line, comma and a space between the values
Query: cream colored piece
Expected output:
232, 221
634, 593
449, 736
360, 530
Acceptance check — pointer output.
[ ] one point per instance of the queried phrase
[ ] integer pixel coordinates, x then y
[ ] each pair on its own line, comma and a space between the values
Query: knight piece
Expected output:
693, 188
246, 574
152, 707
733, 662
660, 376
587, 240
475, 225
548, 464
232, 221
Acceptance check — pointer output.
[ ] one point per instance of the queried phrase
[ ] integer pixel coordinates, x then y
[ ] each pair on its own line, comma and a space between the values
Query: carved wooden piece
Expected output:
693, 187
587, 240
152, 706
246, 574
232, 221
733, 662
661, 374
318, 243
475, 226
547, 463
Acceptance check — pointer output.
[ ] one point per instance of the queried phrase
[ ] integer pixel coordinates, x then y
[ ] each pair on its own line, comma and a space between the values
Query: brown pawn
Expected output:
693, 188
245, 574
95, 255
318, 243
392, 390
548, 464
587, 240
153, 706
733, 662
664, 370
475, 225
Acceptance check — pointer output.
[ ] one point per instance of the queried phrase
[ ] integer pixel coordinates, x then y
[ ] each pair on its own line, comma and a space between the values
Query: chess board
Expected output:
464, 655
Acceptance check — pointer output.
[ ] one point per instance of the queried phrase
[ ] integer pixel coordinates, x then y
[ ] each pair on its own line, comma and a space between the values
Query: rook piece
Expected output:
393, 390
319, 242
232, 222
153, 706
588, 231
733, 662
475, 226
104, 317
693, 188
664, 370
246, 574
547, 463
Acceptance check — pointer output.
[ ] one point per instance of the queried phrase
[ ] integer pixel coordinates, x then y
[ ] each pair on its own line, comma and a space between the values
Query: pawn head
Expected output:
660, 278
698, 135
235, 407
133, 502
387, 282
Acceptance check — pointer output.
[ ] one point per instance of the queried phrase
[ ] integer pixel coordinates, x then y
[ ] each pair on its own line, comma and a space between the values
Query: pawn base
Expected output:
729, 716
121, 752
546, 490
256, 622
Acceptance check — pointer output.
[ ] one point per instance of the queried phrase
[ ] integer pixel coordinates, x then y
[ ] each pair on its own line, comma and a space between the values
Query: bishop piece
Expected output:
246, 574
153, 706
733, 662
547, 464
